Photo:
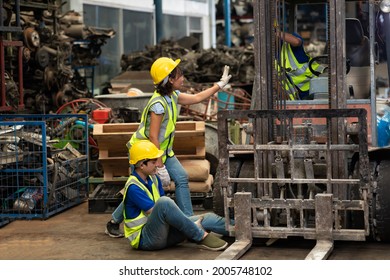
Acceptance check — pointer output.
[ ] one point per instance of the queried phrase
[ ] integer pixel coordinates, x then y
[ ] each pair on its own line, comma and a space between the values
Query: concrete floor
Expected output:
76, 235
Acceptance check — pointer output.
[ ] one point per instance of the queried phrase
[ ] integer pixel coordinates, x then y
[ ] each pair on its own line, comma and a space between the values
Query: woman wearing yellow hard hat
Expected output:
161, 69
158, 124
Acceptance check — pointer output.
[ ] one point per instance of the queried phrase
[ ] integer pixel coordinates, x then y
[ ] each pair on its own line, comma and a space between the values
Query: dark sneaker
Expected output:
112, 229
213, 243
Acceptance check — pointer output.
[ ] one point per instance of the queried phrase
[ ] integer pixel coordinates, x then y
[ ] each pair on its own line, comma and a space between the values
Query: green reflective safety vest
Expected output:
299, 73
168, 125
134, 226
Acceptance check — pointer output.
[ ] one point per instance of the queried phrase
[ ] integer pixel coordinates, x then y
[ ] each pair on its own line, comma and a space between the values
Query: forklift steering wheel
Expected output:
318, 59
322, 58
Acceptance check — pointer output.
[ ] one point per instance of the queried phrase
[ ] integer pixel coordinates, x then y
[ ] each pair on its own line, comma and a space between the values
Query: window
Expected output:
138, 31
109, 60
134, 30
175, 27
195, 26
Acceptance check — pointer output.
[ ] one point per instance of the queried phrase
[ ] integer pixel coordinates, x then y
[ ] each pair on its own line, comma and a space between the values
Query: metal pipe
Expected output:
387, 28
371, 16
279, 167
228, 40
1, 13
2, 73
213, 29
159, 20
309, 170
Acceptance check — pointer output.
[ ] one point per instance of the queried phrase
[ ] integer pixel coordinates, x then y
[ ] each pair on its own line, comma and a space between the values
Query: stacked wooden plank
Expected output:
189, 147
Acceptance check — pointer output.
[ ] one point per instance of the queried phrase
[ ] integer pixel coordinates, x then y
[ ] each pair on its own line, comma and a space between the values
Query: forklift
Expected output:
306, 168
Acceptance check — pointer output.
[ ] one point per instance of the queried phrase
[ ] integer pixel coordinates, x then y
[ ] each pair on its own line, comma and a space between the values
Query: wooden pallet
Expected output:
189, 143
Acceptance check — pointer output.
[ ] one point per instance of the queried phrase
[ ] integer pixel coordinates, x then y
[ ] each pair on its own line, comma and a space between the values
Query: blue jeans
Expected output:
182, 192
210, 222
167, 226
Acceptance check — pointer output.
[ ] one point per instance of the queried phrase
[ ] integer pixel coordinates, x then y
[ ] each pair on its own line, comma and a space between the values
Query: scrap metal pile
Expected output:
55, 45
199, 66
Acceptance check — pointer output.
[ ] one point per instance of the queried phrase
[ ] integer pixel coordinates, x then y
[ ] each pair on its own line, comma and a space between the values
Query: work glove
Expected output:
225, 77
162, 173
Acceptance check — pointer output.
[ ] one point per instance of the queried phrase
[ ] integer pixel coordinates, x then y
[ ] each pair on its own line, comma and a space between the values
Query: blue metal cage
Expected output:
43, 164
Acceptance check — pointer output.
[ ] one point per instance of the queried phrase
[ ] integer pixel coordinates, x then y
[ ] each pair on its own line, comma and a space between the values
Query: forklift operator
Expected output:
295, 62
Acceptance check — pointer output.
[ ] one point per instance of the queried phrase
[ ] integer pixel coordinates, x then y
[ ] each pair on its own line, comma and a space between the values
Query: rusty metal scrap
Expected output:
228, 99
55, 45
199, 66
42, 164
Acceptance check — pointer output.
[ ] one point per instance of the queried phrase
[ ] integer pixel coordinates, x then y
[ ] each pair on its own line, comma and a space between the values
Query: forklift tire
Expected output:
355, 219
218, 202
382, 201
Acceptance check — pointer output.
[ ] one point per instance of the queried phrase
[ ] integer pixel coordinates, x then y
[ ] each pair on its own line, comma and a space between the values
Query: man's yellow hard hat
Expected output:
143, 150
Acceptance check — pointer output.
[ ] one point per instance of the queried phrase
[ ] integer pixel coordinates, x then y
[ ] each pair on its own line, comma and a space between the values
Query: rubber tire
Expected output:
355, 219
382, 211
240, 167
218, 203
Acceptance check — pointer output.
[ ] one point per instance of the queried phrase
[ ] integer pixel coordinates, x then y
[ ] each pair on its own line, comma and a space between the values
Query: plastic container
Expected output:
383, 124
225, 101
101, 115
28, 200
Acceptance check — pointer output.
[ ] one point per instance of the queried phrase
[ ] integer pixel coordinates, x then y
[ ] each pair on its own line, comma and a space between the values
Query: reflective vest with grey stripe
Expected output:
299, 73
134, 226
167, 128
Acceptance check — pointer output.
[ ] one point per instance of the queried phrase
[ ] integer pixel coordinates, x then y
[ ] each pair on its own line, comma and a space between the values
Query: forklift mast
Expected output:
303, 167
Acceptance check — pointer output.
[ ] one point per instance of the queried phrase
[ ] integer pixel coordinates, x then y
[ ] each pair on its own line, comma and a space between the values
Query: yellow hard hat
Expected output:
142, 150
161, 68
